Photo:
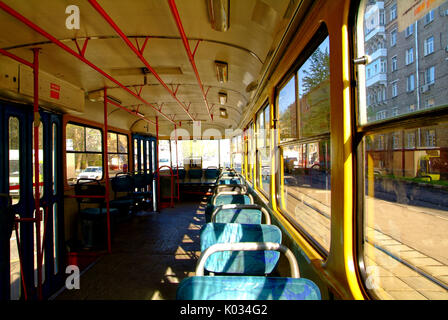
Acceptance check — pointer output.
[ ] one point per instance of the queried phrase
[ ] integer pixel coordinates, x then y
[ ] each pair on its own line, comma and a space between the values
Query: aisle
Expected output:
150, 255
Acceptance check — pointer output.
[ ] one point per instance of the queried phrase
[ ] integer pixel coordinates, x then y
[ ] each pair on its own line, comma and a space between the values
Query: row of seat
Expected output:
243, 251
196, 173
130, 195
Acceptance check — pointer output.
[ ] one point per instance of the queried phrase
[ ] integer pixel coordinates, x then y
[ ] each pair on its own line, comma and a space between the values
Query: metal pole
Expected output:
106, 172
38, 213
176, 16
57, 42
177, 165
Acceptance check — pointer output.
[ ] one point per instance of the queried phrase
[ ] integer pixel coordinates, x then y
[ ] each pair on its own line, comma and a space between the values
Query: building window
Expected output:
393, 12
409, 56
394, 89
393, 37
429, 103
410, 83
84, 153
394, 112
409, 30
394, 66
380, 115
429, 17
430, 75
429, 46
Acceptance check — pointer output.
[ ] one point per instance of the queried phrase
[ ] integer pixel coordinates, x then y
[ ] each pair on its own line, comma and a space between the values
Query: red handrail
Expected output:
172, 184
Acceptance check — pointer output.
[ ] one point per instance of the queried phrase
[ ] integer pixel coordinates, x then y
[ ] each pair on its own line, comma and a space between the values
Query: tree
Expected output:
318, 71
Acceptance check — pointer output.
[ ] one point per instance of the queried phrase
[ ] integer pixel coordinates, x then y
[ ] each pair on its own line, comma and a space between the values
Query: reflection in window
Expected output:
405, 169
416, 62
264, 150
84, 158
287, 111
41, 161
305, 187
405, 202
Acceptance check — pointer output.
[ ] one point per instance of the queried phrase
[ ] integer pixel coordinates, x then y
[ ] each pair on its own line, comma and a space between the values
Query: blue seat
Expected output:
124, 184
254, 263
182, 173
195, 173
225, 287
226, 198
240, 213
247, 288
229, 181
211, 173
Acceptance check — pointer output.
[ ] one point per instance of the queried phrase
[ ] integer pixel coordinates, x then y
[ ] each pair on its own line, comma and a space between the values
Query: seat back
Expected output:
89, 187
140, 181
235, 213
247, 288
229, 181
240, 262
182, 173
231, 188
231, 198
211, 173
195, 173
122, 183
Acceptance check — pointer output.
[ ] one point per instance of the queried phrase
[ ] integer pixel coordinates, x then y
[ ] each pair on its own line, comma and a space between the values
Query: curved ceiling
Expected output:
255, 28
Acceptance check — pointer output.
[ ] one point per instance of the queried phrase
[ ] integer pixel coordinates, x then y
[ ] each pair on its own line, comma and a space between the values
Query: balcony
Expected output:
379, 78
380, 53
378, 30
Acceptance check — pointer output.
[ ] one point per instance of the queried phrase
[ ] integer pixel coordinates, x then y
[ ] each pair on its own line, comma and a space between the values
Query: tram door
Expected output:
145, 158
18, 272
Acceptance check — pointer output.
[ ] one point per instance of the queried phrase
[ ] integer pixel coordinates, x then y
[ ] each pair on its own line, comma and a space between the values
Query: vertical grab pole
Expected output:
157, 162
106, 172
177, 165
36, 124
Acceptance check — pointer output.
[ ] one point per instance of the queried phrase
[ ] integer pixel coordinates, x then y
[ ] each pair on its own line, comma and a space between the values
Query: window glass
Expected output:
164, 153
84, 158
305, 181
14, 159
237, 153
224, 153
314, 92
404, 165
264, 150
250, 152
287, 111
117, 146
415, 76
41, 161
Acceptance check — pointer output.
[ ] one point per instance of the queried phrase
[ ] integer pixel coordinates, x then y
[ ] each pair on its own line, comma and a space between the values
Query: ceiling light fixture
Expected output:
219, 14
222, 97
223, 113
221, 71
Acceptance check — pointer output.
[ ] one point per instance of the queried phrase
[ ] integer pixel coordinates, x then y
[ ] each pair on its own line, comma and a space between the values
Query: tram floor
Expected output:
151, 254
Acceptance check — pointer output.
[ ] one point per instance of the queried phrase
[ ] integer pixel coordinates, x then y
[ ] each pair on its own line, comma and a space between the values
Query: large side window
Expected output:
237, 153
264, 150
403, 153
84, 153
117, 149
303, 104
250, 152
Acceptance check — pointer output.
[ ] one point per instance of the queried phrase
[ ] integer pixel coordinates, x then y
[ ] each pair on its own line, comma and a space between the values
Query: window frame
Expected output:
316, 40
267, 145
65, 151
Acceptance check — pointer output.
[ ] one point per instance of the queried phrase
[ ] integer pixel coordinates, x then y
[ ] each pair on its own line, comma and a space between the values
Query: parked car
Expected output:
91, 173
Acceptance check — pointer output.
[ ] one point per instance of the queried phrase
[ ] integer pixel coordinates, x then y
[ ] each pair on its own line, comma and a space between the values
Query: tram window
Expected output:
264, 150
136, 142
250, 152
41, 162
14, 159
403, 166
305, 190
237, 153
55, 238
54, 158
117, 149
287, 111
84, 158
210, 153
15, 279
224, 153
35, 247
164, 153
